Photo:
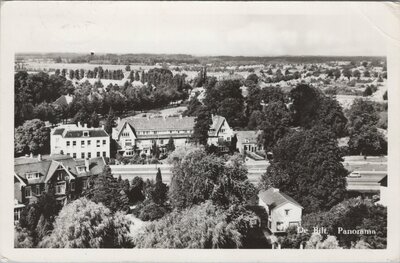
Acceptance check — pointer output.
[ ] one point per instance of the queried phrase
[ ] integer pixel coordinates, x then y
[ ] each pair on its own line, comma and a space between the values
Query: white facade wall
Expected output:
90, 148
278, 214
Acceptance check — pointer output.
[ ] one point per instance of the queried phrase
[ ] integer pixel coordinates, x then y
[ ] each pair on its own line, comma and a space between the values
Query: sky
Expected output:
210, 28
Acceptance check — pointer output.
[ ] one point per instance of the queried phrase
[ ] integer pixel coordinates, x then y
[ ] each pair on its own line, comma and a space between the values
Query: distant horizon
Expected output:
186, 54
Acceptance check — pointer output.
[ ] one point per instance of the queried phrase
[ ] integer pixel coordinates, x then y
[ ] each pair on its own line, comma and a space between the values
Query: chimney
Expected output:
102, 126
39, 157
87, 164
118, 120
31, 155
79, 124
275, 190
85, 125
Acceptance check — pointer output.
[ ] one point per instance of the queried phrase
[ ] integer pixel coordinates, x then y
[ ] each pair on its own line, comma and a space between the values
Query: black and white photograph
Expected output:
258, 126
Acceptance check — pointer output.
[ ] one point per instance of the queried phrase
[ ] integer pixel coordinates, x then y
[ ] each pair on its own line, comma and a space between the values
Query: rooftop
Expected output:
273, 198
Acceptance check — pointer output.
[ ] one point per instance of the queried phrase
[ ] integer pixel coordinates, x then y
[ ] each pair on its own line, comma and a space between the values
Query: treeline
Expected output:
97, 72
35, 92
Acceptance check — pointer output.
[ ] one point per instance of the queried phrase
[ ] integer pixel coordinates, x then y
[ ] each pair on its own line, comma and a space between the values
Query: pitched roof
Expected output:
158, 124
218, 121
49, 164
247, 136
274, 198
64, 100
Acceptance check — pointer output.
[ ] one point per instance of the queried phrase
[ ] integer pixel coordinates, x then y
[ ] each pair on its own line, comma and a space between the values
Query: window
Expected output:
17, 214
60, 188
88, 142
84, 184
81, 169
68, 154
104, 142
68, 143
83, 155
98, 143
74, 155
28, 192
73, 143
36, 189
82, 143
161, 141
279, 226
72, 186
128, 142
287, 212
86, 133
154, 132
104, 154
222, 130
31, 176
98, 154
89, 155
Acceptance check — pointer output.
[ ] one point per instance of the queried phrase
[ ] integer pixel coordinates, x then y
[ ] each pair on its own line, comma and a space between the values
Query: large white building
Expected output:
140, 133
79, 141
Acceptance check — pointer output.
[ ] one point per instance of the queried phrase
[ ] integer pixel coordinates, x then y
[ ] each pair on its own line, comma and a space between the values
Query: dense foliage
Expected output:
202, 226
198, 177
353, 214
85, 224
304, 160
32, 137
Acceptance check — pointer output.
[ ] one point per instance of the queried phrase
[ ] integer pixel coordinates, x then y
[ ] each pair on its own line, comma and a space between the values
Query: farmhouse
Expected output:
79, 141
60, 175
138, 134
283, 211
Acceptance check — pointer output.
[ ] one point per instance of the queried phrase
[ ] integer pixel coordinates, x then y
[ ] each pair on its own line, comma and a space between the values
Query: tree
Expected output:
94, 120
22, 239
158, 175
199, 176
353, 214
136, 191
128, 68
110, 122
316, 242
32, 137
105, 189
202, 226
308, 159
193, 107
201, 127
155, 150
356, 74
364, 136
170, 147
85, 224
312, 108
347, 73
233, 144
276, 125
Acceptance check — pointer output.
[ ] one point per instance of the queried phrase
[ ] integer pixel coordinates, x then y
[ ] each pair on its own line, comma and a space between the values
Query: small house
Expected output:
283, 211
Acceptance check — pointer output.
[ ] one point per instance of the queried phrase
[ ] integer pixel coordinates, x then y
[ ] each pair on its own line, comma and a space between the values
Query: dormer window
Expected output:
86, 134
81, 169
31, 176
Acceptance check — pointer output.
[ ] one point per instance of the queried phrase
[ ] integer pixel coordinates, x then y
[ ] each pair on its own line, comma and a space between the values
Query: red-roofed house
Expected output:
283, 211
